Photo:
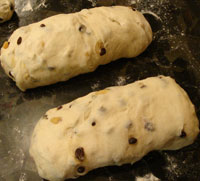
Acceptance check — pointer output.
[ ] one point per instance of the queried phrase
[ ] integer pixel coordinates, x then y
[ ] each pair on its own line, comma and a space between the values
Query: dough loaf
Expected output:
114, 126
63, 46
6, 10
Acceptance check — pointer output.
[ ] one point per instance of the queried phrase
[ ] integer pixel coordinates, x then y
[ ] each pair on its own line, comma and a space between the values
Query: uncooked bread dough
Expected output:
6, 10
114, 126
65, 45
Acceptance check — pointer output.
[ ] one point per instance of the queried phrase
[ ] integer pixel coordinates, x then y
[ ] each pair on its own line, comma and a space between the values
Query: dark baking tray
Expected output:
175, 51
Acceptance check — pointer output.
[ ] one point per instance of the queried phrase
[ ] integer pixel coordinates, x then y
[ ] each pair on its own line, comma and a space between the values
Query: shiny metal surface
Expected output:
174, 51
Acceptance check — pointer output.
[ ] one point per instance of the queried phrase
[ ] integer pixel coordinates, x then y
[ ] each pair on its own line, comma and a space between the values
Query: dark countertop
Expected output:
175, 51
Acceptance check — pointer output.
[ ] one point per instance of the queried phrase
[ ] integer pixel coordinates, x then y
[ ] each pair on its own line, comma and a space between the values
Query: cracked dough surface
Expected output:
63, 46
6, 10
114, 126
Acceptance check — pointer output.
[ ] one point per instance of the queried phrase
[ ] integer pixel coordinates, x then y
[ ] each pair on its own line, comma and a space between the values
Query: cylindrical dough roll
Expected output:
6, 10
63, 46
114, 126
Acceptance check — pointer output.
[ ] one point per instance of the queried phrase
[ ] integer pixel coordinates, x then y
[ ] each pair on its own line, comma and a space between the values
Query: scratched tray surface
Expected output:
174, 52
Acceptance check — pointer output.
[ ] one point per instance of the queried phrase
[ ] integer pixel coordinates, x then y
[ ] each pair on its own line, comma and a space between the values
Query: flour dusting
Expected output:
95, 86
122, 80
27, 7
42, 4
94, 3
147, 177
172, 165
23, 177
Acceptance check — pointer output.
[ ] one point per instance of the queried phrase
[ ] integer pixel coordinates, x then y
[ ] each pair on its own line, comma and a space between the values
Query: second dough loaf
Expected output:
114, 126
63, 46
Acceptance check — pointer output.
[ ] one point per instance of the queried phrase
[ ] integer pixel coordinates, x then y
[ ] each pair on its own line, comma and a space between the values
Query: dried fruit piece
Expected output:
11, 7
56, 120
59, 107
131, 7
5, 45
19, 40
101, 92
132, 140
143, 86
82, 28
183, 134
79, 153
103, 52
51, 68
99, 48
81, 169
93, 123
42, 25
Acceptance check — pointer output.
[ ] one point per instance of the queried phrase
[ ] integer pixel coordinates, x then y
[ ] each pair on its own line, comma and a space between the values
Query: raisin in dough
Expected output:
65, 45
114, 126
6, 10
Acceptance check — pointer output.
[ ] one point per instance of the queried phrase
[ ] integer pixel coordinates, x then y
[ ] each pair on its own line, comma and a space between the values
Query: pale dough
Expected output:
63, 46
6, 10
114, 126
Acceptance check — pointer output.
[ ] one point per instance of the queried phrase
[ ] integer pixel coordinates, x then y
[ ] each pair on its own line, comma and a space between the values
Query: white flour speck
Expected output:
94, 3
17, 130
95, 86
182, 34
42, 4
148, 177
172, 165
23, 177
121, 80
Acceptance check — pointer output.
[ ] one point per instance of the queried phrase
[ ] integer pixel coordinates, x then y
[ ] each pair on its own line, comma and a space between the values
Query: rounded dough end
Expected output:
6, 10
